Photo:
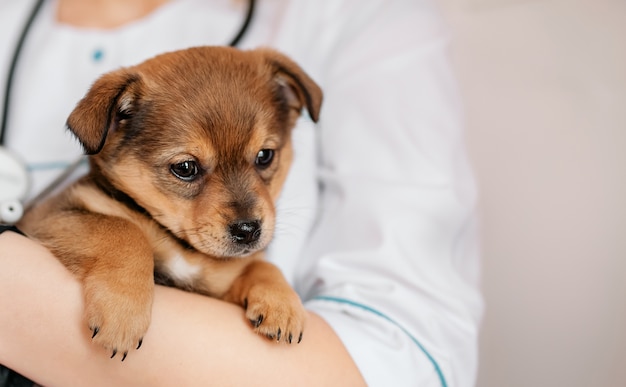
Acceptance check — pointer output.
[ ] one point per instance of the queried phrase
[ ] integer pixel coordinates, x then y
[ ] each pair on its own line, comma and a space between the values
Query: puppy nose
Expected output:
246, 232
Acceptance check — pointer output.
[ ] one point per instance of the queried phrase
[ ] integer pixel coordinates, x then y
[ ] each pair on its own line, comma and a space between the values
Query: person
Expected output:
376, 225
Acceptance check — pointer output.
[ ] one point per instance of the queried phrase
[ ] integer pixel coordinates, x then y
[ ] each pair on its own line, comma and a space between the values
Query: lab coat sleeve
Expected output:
392, 263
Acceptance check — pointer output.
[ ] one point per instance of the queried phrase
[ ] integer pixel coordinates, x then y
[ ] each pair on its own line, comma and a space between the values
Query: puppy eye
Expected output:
264, 158
187, 170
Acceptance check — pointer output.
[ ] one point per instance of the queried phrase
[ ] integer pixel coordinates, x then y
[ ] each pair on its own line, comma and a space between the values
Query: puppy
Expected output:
188, 152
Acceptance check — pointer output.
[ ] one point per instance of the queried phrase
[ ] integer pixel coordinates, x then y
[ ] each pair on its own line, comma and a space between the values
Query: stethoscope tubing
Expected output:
13, 66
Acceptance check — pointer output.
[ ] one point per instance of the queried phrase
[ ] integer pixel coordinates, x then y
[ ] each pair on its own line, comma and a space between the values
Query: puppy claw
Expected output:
140, 342
256, 323
300, 338
114, 353
124, 356
278, 335
289, 338
95, 332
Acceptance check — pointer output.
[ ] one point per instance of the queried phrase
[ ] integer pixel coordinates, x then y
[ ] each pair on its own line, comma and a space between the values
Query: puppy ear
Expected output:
298, 88
110, 99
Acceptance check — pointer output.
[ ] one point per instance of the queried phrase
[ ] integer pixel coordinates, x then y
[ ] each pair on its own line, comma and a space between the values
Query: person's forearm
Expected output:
193, 340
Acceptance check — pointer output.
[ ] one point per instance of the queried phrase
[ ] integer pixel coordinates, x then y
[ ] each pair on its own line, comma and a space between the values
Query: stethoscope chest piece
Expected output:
14, 184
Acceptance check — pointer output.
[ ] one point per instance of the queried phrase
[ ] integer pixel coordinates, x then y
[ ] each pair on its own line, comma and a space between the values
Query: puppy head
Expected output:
201, 139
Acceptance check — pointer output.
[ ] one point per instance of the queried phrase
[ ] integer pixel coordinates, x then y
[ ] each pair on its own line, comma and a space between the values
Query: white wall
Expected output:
544, 84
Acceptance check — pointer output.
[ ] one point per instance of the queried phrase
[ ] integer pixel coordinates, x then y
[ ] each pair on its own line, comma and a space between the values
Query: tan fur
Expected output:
134, 214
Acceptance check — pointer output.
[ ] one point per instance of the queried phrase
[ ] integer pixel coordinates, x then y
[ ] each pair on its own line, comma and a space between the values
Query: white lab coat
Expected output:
376, 226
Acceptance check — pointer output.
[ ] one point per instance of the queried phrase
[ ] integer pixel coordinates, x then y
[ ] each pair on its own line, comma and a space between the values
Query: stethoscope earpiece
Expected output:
11, 211
14, 185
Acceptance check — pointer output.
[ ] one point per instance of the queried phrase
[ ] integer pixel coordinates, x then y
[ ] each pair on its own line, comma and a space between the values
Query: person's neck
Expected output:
104, 14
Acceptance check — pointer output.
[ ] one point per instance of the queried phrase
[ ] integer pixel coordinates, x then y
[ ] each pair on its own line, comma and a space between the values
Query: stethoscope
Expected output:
14, 176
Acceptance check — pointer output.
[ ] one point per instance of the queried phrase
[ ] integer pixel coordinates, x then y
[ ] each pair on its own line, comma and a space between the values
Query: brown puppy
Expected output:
188, 153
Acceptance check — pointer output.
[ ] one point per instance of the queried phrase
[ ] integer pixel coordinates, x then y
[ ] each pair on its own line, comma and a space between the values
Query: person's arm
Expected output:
193, 340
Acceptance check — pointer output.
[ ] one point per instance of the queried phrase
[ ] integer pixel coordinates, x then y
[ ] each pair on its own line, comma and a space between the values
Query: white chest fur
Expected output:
181, 270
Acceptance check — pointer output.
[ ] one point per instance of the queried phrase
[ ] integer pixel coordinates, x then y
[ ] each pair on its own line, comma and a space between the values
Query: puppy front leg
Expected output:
114, 261
271, 304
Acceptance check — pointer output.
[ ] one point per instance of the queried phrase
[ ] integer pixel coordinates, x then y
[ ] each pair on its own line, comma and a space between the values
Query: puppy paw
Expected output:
118, 317
277, 314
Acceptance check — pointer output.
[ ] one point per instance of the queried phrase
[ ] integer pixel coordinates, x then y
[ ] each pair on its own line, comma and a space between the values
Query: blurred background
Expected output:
544, 84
